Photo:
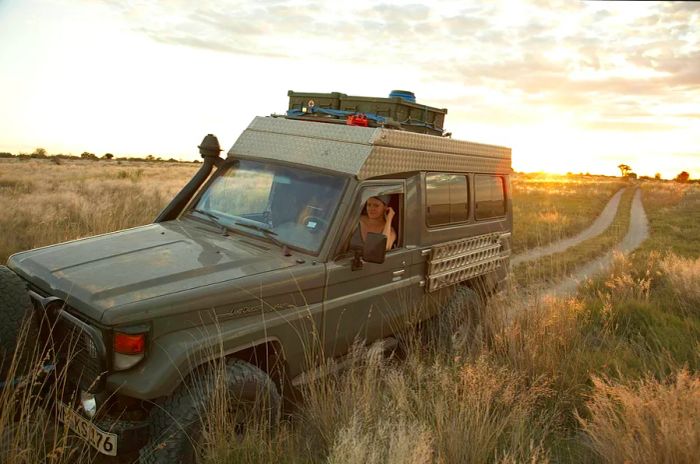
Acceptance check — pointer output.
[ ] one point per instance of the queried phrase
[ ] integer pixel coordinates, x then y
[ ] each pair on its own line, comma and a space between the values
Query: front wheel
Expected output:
18, 328
181, 423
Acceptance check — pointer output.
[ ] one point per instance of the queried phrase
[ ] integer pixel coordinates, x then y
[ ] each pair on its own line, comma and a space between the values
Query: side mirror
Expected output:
374, 249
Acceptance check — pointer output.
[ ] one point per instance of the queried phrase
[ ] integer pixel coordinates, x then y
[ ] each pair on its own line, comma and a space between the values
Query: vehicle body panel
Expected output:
109, 275
202, 293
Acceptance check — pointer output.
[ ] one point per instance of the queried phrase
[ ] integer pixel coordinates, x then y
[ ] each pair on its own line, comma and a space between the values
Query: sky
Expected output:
569, 86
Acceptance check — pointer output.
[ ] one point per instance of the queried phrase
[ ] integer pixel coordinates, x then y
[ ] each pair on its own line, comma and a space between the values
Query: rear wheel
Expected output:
455, 322
18, 329
180, 425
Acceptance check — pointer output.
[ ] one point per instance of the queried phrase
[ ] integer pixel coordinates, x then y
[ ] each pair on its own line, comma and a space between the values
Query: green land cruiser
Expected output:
256, 264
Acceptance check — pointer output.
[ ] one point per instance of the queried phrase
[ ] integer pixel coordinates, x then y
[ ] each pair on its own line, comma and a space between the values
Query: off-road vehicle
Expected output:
256, 266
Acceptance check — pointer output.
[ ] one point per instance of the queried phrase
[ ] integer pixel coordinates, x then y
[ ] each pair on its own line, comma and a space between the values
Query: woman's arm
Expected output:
388, 230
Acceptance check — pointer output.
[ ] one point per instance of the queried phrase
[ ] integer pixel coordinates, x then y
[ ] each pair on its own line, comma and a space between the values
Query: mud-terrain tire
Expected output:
455, 321
176, 423
15, 309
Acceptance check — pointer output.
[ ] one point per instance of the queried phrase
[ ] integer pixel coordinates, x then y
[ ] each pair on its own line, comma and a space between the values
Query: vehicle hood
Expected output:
102, 273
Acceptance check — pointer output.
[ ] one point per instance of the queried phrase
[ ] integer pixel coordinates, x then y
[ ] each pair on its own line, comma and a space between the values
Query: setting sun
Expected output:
571, 87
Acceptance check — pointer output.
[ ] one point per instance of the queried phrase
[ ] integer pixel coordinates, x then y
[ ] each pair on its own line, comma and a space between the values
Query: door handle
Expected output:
399, 272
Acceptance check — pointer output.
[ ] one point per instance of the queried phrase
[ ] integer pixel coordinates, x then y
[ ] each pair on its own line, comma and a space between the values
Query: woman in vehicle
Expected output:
378, 219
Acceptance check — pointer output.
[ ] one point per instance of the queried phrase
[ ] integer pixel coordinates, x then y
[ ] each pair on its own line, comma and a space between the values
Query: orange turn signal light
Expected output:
129, 343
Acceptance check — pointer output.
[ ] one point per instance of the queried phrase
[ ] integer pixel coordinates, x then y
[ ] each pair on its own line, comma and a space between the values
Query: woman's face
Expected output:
375, 208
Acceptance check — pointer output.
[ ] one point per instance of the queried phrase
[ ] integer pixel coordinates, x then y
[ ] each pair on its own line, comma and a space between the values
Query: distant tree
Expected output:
683, 177
4, 154
631, 175
107, 156
39, 153
88, 156
150, 158
657, 176
624, 169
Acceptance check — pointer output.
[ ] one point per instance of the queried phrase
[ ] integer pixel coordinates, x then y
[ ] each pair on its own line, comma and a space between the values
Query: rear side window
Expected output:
490, 196
447, 198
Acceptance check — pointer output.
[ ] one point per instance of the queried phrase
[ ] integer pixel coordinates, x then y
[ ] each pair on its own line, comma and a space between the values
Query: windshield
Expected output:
295, 205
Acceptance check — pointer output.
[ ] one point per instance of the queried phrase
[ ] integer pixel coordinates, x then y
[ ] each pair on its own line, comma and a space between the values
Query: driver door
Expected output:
369, 303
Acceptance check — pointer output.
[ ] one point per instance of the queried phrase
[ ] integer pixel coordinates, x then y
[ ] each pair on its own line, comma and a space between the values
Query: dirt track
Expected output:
601, 223
636, 234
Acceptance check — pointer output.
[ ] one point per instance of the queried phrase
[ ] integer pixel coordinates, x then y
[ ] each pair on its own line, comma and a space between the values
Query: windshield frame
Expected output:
189, 212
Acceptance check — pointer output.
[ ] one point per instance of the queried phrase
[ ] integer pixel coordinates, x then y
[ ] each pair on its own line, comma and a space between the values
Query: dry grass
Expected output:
29, 434
527, 388
645, 422
684, 276
557, 265
44, 203
547, 208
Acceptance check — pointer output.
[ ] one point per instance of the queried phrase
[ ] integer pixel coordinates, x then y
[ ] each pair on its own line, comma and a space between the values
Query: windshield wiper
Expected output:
216, 219
267, 232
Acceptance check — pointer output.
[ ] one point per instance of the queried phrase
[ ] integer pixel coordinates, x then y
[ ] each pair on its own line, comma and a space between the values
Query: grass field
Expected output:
547, 207
44, 203
557, 265
609, 376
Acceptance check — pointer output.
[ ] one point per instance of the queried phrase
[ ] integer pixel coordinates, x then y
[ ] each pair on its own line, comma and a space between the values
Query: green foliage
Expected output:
624, 169
39, 153
683, 177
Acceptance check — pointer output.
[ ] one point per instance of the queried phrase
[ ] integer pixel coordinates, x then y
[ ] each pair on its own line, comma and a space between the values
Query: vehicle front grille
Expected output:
74, 347
79, 351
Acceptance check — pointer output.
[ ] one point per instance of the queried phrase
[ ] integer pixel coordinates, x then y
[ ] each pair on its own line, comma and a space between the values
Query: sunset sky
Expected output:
569, 86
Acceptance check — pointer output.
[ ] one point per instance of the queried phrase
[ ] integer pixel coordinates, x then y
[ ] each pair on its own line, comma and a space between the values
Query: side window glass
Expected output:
489, 196
447, 198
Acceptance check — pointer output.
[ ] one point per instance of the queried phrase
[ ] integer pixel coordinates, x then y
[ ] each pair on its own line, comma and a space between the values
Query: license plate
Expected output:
104, 442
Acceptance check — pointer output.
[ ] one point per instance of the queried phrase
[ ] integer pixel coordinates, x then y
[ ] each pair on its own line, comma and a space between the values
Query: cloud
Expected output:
555, 53
629, 126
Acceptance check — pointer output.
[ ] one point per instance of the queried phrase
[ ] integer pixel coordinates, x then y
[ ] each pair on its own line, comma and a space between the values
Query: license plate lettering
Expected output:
104, 442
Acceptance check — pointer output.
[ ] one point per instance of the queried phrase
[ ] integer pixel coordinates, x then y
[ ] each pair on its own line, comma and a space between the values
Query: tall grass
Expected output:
684, 278
547, 208
557, 265
646, 422
610, 375
45, 204
29, 433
